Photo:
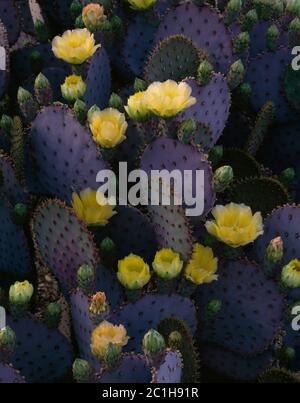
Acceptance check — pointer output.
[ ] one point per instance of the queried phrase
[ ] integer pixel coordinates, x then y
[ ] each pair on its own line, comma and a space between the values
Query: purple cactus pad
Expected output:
10, 375
170, 371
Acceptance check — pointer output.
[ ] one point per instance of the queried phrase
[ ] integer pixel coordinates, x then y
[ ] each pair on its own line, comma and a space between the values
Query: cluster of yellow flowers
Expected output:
165, 100
92, 208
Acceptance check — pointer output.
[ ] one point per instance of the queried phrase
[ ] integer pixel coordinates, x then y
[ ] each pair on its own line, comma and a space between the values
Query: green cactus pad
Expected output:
190, 356
175, 58
243, 164
261, 194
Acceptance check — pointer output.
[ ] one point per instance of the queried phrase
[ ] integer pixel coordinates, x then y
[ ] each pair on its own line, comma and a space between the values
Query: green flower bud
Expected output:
294, 32
75, 8
186, 130
233, 9
153, 344
273, 37
27, 103
43, 90
215, 155
204, 73
80, 110
268, 8
36, 62
293, 7
116, 102
249, 20
287, 177
41, 31
53, 315
290, 275
236, 74
79, 24
82, 371
20, 295
113, 355
86, 278
6, 124
92, 110
175, 340
241, 42
244, 91
139, 85
117, 26
274, 251
107, 245
8, 343
212, 309
223, 177
20, 214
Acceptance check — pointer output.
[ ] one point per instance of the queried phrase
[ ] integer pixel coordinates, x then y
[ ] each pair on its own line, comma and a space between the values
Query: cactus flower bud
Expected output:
73, 88
204, 73
175, 340
236, 74
293, 7
93, 16
153, 345
20, 214
294, 32
8, 343
6, 124
75, 8
187, 129
99, 307
274, 251
112, 356
223, 177
53, 315
273, 37
287, 177
86, 278
79, 24
241, 42
212, 309
42, 89
20, 295
27, 103
249, 20
80, 110
139, 85
244, 91
117, 26
167, 264
82, 371
233, 9
215, 155
36, 62
116, 102
41, 31
290, 275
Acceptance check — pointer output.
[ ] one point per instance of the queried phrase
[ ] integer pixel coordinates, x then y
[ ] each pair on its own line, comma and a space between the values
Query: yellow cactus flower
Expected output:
235, 225
75, 46
202, 266
93, 15
290, 275
141, 4
167, 99
167, 264
133, 272
92, 208
137, 108
108, 127
73, 88
106, 334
